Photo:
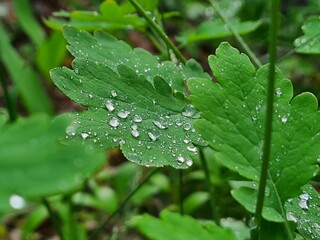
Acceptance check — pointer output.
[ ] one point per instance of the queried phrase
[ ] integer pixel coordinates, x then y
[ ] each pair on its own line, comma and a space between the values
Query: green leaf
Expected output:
173, 226
310, 42
151, 125
234, 115
214, 29
24, 77
304, 210
104, 48
35, 164
111, 16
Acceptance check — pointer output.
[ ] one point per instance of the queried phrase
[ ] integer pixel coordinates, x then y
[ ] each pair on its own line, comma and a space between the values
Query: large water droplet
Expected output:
123, 114
303, 203
291, 217
160, 125
187, 126
17, 202
190, 111
180, 159
110, 105
135, 133
84, 135
153, 136
137, 119
178, 122
189, 162
192, 149
71, 130
284, 119
114, 122
113, 93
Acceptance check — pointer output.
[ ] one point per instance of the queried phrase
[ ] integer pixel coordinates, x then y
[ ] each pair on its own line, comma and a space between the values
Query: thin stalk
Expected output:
54, 218
269, 114
213, 204
181, 191
97, 232
246, 48
11, 106
158, 30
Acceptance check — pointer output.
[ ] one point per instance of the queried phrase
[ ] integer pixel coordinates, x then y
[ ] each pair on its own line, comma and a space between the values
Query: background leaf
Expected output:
233, 124
310, 42
305, 211
29, 151
176, 227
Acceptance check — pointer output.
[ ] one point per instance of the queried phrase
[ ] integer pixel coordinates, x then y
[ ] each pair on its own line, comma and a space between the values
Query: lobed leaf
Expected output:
305, 211
310, 42
29, 151
176, 227
234, 115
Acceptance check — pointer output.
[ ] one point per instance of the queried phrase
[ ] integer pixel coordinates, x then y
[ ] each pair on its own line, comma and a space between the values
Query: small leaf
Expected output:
304, 210
309, 43
234, 115
173, 226
214, 29
150, 124
29, 151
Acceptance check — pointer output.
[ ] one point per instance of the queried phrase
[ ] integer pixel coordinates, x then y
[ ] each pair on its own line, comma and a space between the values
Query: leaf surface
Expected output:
34, 164
310, 42
176, 227
305, 211
234, 114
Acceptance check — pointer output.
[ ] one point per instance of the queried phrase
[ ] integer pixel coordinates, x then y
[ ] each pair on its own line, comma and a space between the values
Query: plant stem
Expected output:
8, 99
158, 30
181, 191
54, 218
96, 233
225, 19
269, 114
213, 204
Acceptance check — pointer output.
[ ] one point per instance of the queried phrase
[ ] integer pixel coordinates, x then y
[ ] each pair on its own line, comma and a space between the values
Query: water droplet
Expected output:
137, 119
291, 217
189, 162
284, 119
123, 114
113, 93
109, 105
84, 135
180, 159
122, 142
76, 70
303, 203
90, 95
190, 111
114, 122
135, 133
278, 92
17, 202
152, 136
186, 141
192, 149
160, 125
178, 122
71, 130
254, 118
187, 126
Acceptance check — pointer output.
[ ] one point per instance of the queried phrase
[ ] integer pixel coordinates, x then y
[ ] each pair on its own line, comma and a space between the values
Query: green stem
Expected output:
246, 48
97, 232
269, 114
11, 106
54, 218
213, 204
181, 191
159, 31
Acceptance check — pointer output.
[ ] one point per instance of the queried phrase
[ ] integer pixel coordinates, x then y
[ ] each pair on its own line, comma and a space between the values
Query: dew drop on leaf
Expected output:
303, 203
90, 95
113, 93
180, 159
291, 217
110, 105
114, 122
84, 135
71, 130
135, 133
190, 111
159, 125
137, 119
284, 119
123, 114
17, 202
153, 136
192, 149
189, 162
187, 126
278, 92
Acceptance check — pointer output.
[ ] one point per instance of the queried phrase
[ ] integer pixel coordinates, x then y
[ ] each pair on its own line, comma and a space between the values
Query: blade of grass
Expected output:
23, 77
246, 48
272, 48
158, 30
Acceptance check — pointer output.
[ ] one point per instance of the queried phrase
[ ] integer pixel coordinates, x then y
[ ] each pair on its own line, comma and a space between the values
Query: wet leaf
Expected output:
234, 115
